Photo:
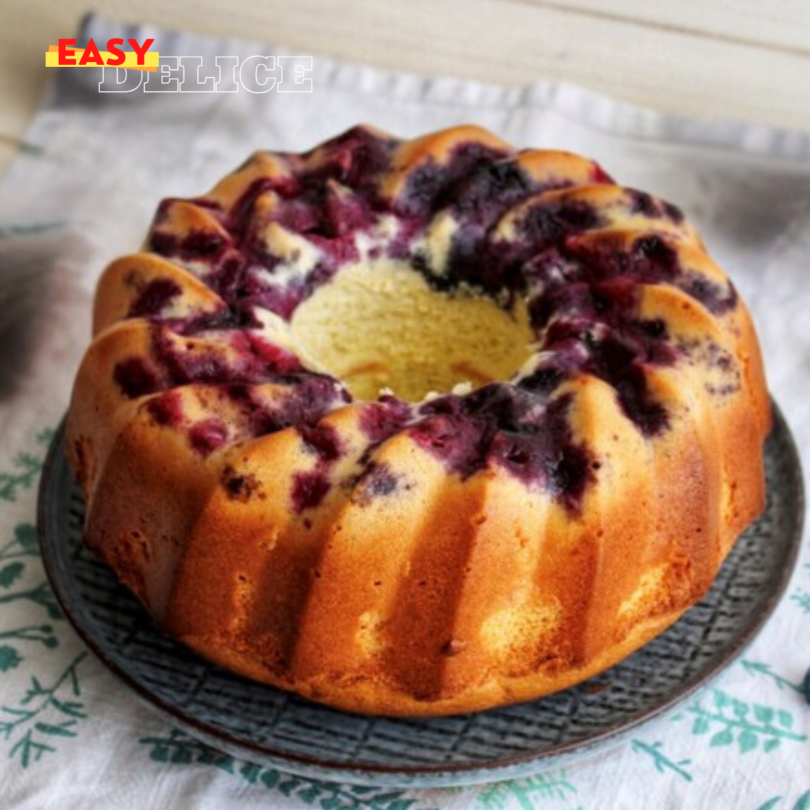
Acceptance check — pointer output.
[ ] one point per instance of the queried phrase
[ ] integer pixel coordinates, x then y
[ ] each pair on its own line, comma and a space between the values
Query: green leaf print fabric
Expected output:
71, 736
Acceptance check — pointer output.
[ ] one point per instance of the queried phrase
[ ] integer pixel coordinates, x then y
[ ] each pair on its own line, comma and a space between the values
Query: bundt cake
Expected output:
418, 427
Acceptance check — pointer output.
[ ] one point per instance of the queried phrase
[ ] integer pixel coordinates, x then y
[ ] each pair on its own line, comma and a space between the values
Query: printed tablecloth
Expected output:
83, 189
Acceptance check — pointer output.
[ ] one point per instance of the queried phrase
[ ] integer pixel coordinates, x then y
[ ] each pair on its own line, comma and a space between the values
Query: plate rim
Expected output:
423, 775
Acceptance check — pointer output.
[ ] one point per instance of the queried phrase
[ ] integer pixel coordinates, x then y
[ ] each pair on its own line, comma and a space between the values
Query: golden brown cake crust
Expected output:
433, 557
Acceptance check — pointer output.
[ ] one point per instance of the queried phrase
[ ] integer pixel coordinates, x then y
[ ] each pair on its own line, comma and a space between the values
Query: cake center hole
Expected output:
382, 327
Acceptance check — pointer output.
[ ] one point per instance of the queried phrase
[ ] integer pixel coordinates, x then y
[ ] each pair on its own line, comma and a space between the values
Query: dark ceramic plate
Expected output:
273, 728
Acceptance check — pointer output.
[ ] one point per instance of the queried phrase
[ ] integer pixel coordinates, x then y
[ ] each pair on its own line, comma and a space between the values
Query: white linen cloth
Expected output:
83, 190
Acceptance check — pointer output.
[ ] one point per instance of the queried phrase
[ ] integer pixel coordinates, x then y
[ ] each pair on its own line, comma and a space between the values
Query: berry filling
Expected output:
456, 268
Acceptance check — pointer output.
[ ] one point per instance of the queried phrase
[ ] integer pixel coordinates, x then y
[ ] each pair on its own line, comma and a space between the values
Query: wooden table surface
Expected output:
745, 59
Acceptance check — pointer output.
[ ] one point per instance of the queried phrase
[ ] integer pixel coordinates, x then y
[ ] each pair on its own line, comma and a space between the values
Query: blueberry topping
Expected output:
135, 378
507, 426
376, 481
309, 489
581, 282
166, 409
208, 435
154, 298
433, 186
